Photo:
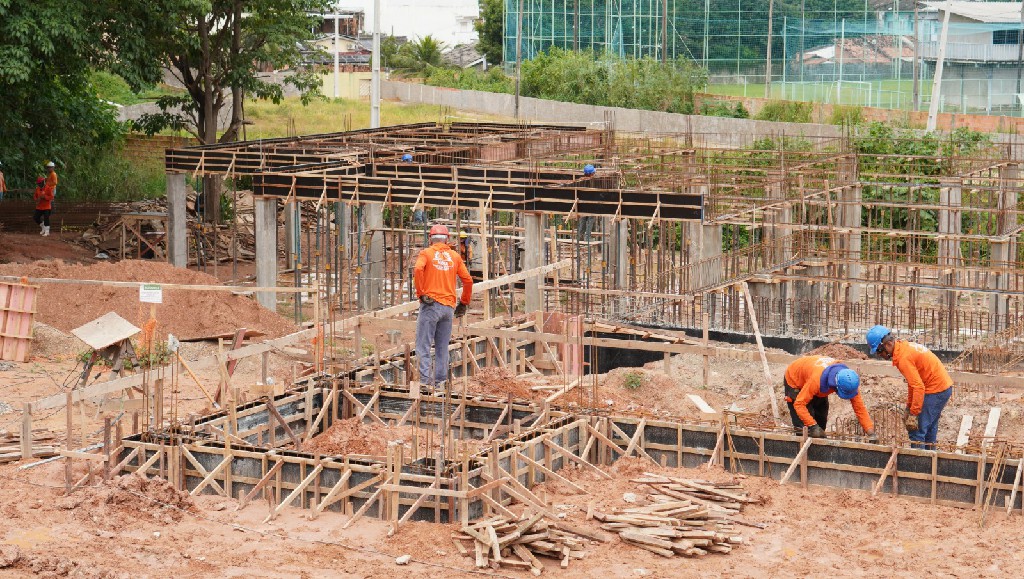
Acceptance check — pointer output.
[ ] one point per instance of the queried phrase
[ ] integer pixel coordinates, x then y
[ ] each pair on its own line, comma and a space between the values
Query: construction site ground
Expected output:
116, 531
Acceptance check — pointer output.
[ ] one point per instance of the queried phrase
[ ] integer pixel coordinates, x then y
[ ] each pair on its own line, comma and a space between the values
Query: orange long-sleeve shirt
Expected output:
805, 374
924, 372
51, 181
434, 275
44, 197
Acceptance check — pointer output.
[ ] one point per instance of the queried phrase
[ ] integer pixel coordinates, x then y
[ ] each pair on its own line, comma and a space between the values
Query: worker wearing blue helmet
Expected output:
808, 382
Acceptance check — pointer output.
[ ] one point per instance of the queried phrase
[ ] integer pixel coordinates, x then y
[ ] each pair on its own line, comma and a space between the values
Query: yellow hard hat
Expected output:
463, 234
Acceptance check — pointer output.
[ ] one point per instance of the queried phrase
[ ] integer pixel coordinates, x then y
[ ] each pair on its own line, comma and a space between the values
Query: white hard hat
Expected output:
50, 164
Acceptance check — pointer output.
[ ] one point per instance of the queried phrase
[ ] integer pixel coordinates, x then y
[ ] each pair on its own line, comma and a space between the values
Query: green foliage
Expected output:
490, 28
158, 355
235, 37
494, 80
104, 173
846, 115
583, 77
633, 380
717, 108
419, 56
785, 112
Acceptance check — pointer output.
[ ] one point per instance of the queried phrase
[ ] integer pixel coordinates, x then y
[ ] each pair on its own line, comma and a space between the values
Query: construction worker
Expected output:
929, 386
3, 183
44, 198
808, 382
51, 178
465, 248
586, 225
437, 266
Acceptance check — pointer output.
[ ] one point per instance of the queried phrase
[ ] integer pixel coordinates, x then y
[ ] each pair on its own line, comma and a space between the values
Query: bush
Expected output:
785, 112
633, 380
494, 80
724, 109
846, 115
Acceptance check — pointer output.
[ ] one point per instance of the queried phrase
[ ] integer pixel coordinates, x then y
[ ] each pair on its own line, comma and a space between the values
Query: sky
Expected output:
450, 21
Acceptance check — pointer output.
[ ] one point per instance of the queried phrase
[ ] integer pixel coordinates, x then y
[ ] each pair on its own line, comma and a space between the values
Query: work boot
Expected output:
46, 230
42, 229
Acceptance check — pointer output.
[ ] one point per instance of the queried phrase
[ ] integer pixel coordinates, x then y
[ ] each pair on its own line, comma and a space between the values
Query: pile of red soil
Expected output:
838, 351
185, 313
129, 498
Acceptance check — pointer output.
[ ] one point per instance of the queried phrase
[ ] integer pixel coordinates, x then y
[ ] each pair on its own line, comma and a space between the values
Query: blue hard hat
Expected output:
407, 158
875, 337
847, 384
589, 169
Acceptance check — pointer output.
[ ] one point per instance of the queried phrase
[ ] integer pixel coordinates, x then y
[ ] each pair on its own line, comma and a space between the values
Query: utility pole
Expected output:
576, 25
375, 72
336, 58
842, 44
768, 57
707, 9
933, 106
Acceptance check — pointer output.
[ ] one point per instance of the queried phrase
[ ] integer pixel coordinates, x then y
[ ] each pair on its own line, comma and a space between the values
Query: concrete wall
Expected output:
348, 84
711, 130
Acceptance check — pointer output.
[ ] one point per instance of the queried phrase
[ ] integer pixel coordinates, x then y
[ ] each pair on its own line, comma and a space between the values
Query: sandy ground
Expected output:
131, 528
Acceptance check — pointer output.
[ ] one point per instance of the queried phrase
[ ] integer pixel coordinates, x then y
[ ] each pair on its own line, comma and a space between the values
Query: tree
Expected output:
216, 50
490, 28
47, 49
419, 55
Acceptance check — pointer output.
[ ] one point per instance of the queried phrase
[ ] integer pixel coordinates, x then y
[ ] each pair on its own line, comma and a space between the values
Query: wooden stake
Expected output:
26, 432
797, 461
760, 349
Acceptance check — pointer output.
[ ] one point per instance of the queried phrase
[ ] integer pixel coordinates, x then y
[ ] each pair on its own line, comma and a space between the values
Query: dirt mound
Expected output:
352, 436
129, 498
49, 342
500, 382
838, 351
184, 313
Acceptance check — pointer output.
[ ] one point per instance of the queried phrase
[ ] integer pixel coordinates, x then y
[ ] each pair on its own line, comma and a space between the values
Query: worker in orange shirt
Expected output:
808, 382
43, 197
929, 386
434, 276
51, 178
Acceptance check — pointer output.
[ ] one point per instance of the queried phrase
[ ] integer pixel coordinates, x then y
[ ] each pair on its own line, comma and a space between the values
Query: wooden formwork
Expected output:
17, 308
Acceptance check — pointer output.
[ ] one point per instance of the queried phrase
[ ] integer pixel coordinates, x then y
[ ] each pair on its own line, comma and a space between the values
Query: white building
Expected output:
450, 21
982, 67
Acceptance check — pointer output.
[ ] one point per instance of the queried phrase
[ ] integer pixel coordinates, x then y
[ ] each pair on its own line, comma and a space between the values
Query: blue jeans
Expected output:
433, 330
928, 420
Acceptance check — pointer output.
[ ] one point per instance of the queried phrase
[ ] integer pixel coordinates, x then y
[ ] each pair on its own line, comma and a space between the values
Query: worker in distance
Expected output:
434, 275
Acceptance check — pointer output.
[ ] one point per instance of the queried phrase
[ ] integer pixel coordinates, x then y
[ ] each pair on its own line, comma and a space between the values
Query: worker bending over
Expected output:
434, 276
808, 382
929, 386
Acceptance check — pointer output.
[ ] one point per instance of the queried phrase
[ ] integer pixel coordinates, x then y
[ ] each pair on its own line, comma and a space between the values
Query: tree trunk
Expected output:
208, 130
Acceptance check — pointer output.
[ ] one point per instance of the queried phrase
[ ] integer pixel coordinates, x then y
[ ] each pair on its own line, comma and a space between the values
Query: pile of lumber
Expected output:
684, 517
508, 542
10, 445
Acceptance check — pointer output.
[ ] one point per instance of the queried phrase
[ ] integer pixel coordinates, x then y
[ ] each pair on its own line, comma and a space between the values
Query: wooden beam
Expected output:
889, 467
760, 349
580, 461
294, 494
796, 461
260, 484
992, 425
550, 473
337, 494
207, 478
272, 410
964, 435
1016, 484
633, 440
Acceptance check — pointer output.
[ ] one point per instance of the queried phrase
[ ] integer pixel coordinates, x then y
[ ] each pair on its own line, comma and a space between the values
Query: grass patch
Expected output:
333, 115
112, 88
633, 380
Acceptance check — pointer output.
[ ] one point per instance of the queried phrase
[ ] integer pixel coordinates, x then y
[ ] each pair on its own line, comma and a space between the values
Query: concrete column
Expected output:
950, 223
177, 221
850, 216
1005, 250
292, 216
266, 249
615, 252
371, 278
807, 295
704, 242
533, 256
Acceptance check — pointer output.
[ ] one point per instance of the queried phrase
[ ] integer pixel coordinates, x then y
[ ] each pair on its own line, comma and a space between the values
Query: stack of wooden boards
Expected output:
685, 517
509, 542
44, 445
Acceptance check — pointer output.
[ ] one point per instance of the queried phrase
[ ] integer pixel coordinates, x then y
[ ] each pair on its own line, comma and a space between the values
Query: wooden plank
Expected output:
271, 473
889, 467
550, 473
294, 494
964, 435
768, 385
580, 461
992, 425
272, 410
796, 461
1016, 484
634, 439
701, 404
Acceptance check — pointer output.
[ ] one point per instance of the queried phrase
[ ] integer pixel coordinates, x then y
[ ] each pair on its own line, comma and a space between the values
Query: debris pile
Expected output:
685, 517
506, 542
